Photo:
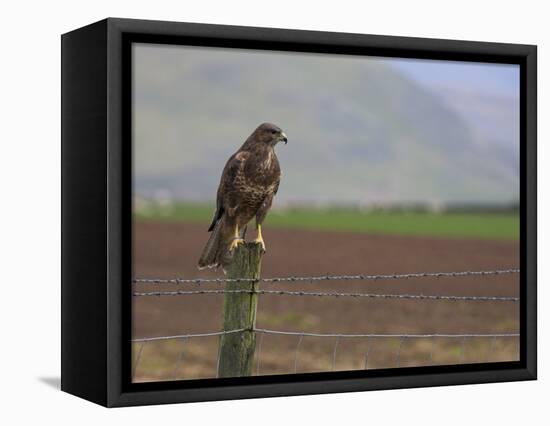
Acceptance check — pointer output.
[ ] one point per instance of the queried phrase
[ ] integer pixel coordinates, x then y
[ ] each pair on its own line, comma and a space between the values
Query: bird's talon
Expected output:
235, 243
259, 241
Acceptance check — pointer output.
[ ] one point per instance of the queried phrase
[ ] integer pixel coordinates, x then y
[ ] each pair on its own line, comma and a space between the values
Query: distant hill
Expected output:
359, 131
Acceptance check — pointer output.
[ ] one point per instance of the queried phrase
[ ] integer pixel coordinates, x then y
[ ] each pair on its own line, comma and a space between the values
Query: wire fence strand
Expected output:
360, 277
336, 335
389, 335
331, 294
186, 336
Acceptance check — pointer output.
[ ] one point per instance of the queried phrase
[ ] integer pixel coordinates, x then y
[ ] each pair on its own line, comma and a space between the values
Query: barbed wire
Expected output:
331, 294
301, 334
326, 277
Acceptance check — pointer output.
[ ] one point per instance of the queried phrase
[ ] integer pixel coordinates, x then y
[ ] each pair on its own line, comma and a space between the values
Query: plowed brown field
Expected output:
168, 250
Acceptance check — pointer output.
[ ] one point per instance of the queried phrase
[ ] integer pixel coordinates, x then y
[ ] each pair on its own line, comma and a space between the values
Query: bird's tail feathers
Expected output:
216, 252
209, 254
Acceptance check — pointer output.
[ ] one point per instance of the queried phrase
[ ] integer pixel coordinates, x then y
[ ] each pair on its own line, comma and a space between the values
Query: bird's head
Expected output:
270, 134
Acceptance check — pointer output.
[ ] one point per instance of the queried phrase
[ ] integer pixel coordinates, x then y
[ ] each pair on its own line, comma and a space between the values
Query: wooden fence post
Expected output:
236, 350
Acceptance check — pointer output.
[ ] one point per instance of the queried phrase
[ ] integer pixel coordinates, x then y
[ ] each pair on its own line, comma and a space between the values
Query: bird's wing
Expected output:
232, 168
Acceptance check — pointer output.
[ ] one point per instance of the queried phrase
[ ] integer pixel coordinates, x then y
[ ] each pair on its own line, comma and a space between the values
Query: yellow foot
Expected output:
235, 243
260, 241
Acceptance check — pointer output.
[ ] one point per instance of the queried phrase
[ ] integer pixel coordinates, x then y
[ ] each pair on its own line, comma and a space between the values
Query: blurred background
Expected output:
392, 166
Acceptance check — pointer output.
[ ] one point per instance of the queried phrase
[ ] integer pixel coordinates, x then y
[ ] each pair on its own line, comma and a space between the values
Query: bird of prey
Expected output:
250, 180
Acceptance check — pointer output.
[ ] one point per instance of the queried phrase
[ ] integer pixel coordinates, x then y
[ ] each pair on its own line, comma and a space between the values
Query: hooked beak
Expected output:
284, 138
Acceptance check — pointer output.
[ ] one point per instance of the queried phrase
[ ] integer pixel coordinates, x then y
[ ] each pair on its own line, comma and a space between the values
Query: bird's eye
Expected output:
273, 131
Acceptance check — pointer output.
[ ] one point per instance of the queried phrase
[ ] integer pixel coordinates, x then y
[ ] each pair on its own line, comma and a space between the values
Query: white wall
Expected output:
30, 175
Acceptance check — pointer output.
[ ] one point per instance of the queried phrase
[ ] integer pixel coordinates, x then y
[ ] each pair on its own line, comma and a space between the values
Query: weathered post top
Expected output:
246, 262
236, 351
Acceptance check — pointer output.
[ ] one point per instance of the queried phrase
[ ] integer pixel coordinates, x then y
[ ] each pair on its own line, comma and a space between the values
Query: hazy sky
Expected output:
490, 79
361, 129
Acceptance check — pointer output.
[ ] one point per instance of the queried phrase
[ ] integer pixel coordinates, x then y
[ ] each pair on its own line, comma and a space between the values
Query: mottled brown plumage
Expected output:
248, 184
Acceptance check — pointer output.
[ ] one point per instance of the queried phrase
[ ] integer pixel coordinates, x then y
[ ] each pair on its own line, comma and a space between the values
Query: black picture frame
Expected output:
96, 212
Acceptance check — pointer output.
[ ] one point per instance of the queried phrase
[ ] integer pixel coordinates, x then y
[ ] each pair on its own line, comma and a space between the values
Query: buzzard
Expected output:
249, 181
